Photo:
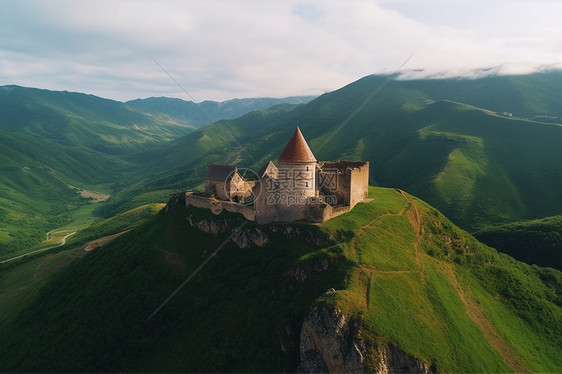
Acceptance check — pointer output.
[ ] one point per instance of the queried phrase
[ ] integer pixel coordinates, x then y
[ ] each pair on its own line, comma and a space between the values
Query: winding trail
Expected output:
63, 242
477, 315
415, 220
472, 308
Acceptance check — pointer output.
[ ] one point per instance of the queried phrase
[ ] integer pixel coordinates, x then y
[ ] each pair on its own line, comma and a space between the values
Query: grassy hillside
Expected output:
427, 137
533, 96
536, 241
21, 280
51, 142
441, 140
54, 143
400, 270
36, 188
77, 119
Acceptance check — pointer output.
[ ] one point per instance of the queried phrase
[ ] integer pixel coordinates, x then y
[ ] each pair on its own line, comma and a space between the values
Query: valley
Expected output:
401, 274
51, 142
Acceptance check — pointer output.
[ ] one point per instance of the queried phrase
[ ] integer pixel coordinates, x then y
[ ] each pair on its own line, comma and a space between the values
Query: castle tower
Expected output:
296, 176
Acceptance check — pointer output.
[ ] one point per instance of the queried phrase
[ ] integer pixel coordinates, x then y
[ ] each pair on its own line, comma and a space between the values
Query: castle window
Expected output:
307, 170
307, 183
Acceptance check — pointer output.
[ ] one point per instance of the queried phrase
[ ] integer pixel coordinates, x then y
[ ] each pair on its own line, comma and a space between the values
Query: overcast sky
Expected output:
218, 50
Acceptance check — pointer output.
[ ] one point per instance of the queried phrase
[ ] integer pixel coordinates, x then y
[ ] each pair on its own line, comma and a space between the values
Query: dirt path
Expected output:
63, 242
401, 212
413, 215
476, 314
472, 308
415, 220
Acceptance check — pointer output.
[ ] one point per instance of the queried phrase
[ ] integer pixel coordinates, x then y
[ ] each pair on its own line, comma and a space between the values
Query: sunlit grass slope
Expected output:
400, 269
424, 284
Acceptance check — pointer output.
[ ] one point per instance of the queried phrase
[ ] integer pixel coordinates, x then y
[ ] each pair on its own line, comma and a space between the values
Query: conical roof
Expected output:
297, 150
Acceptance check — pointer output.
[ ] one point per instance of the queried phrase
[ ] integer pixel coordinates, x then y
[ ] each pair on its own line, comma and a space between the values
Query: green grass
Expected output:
114, 225
417, 293
21, 280
20, 283
412, 303
534, 242
535, 348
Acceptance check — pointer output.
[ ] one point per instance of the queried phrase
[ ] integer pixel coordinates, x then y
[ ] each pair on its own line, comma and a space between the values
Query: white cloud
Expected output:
224, 49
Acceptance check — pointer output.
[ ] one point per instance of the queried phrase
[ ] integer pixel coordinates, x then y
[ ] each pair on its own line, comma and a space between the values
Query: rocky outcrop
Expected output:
331, 342
248, 237
391, 359
208, 226
243, 238
301, 272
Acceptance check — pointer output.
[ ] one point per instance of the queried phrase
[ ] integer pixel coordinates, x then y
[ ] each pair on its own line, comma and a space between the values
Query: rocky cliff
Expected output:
247, 235
331, 342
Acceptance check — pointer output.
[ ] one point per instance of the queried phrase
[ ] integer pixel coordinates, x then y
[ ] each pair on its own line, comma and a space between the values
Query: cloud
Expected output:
224, 49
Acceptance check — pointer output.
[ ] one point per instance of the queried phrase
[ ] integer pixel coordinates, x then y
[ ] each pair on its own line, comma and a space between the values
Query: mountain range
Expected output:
206, 112
393, 286
483, 151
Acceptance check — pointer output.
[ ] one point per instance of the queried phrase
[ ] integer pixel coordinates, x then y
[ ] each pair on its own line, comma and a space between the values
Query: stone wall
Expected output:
219, 189
321, 212
350, 185
359, 186
217, 206
347, 181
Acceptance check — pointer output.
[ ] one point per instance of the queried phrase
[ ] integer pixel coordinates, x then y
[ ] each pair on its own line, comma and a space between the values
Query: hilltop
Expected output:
408, 290
484, 151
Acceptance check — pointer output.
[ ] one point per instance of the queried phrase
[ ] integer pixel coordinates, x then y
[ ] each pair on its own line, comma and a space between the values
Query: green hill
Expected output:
392, 285
38, 188
536, 241
77, 119
427, 137
52, 143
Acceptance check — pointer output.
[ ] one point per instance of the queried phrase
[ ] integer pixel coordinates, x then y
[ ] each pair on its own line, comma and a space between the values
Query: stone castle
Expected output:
299, 189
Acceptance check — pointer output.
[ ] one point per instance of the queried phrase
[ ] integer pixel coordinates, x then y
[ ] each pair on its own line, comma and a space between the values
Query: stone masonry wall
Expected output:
217, 206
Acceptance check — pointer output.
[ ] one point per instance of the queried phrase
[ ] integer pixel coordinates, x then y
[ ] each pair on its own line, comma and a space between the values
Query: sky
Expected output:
219, 50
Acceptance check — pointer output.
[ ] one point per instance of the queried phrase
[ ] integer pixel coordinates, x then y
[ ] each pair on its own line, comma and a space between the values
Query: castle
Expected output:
299, 189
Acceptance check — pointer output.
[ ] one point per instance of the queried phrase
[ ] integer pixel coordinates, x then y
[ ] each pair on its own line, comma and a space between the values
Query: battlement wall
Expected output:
217, 206
347, 181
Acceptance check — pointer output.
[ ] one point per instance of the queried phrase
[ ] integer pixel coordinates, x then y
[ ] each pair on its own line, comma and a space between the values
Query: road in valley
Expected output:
63, 242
